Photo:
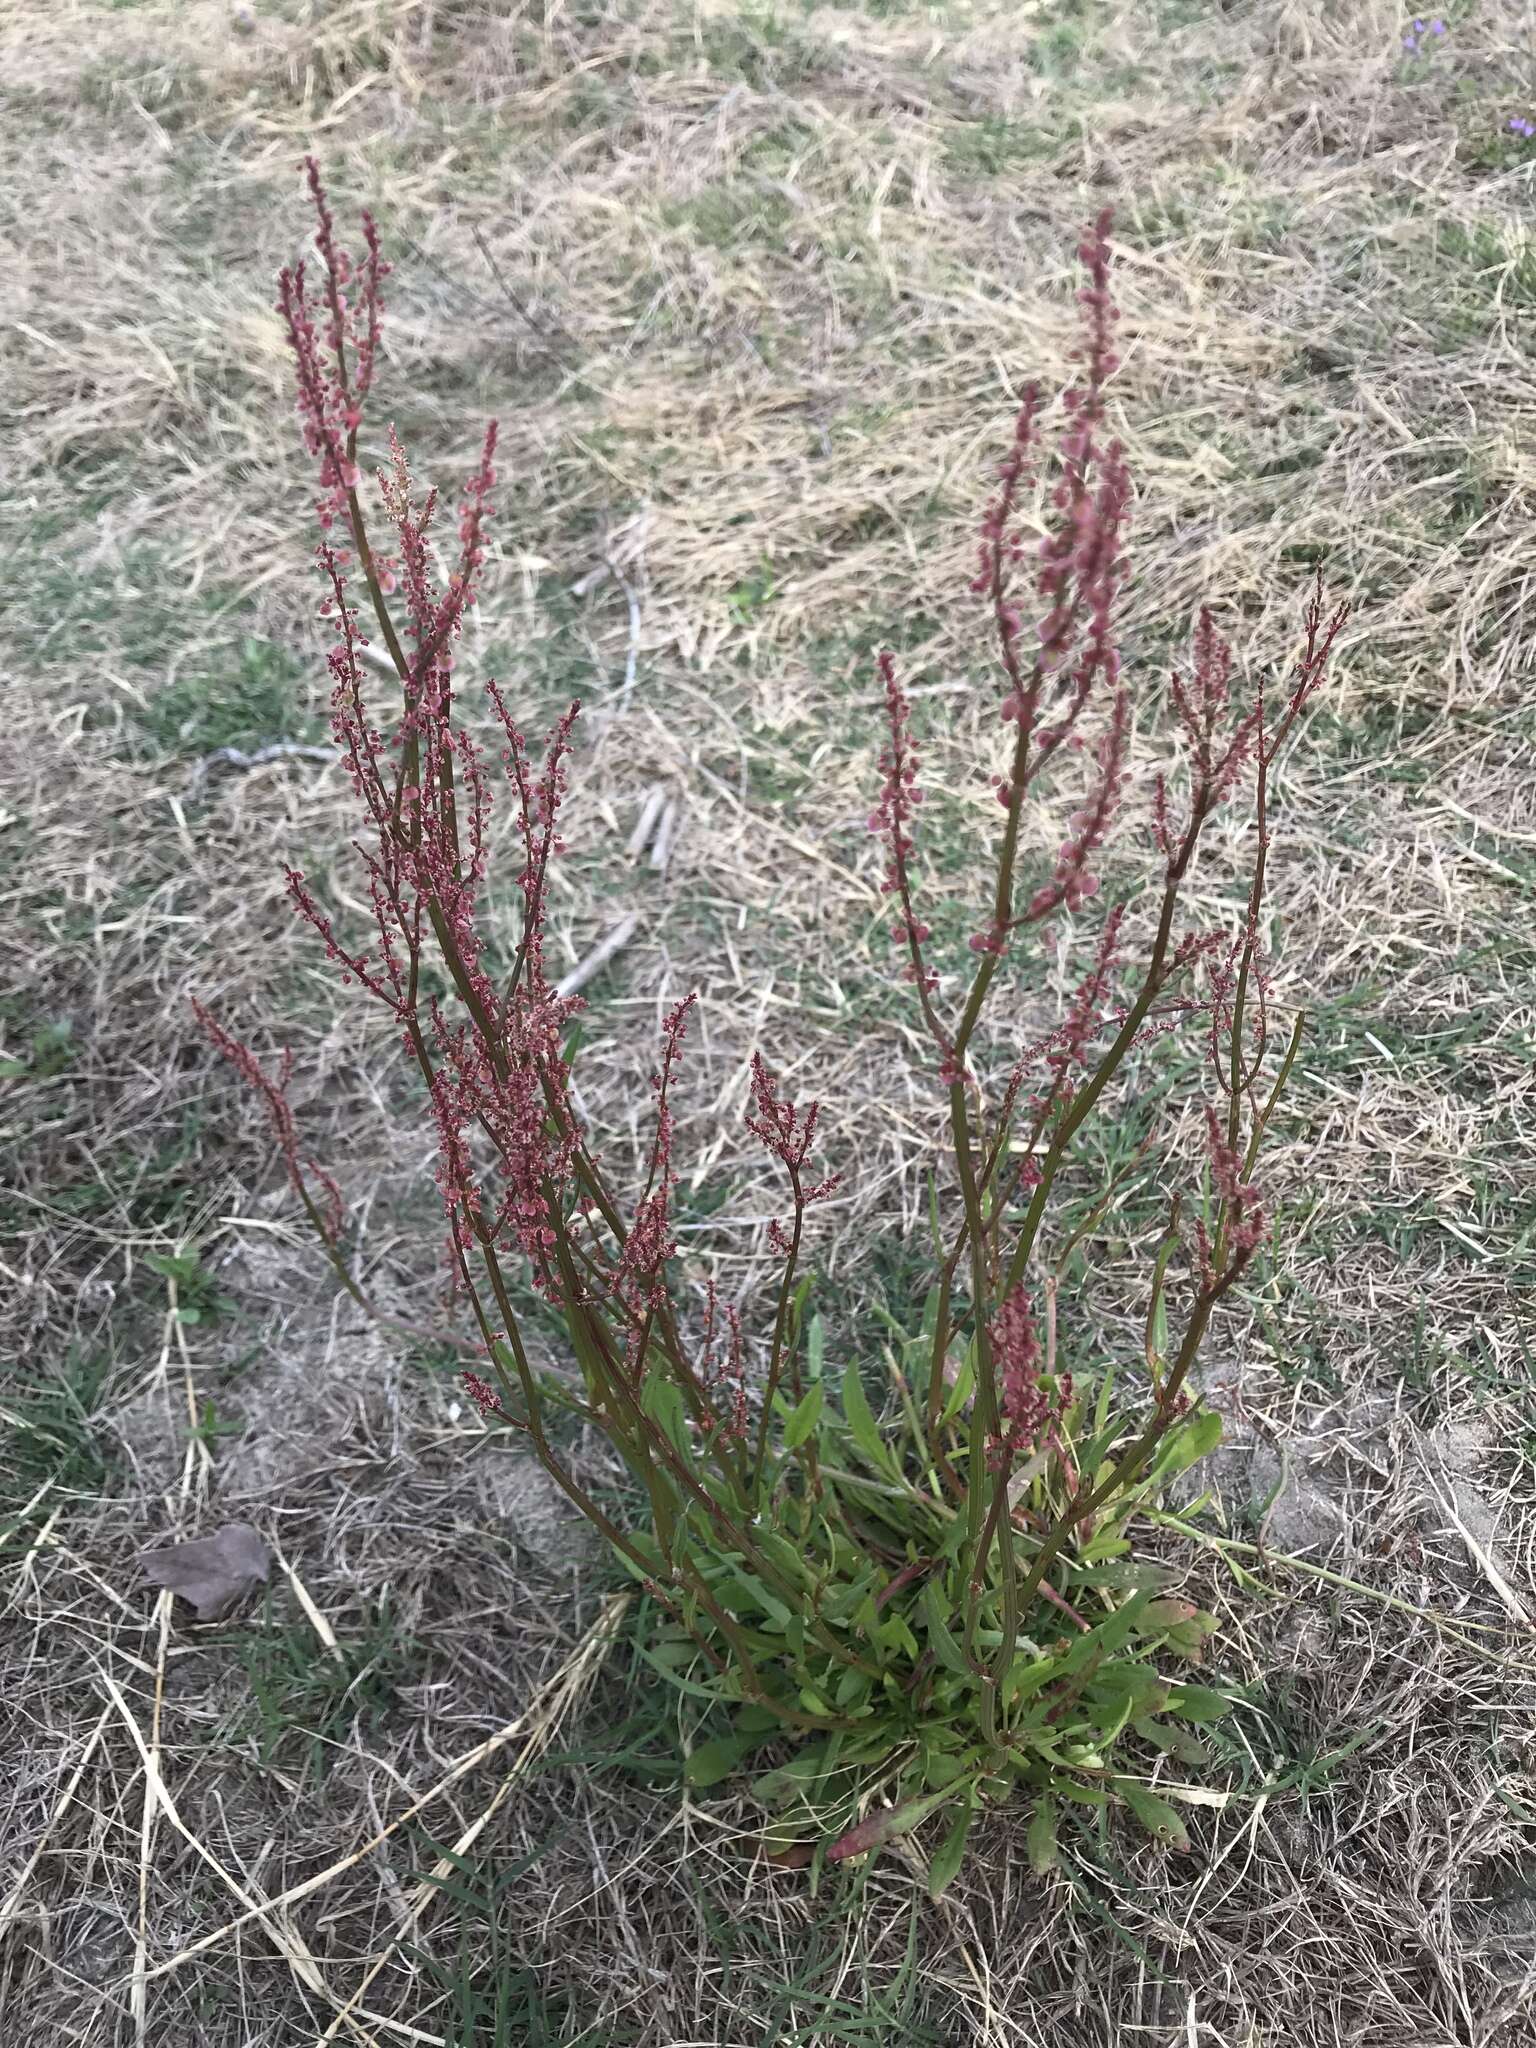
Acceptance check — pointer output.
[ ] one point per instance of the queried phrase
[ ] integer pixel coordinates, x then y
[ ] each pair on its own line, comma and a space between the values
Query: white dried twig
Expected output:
600, 955
278, 750
666, 835
650, 810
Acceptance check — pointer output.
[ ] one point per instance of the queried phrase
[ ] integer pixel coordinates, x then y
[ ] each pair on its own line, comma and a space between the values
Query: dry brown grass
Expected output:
750, 300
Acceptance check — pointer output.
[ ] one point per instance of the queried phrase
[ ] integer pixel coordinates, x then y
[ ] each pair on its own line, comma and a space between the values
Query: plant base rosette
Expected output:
919, 1723
936, 1608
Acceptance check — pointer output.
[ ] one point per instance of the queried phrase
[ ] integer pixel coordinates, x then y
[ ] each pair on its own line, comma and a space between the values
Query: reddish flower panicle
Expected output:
1000, 551
483, 1394
1247, 1224
335, 344
1073, 882
892, 819
280, 1111
1027, 1406
539, 800
724, 1373
787, 1133
638, 1282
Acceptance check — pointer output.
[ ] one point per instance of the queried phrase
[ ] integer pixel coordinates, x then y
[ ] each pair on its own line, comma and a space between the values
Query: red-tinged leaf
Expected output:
1169, 1613
795, 1856
878, 1828
903, 1578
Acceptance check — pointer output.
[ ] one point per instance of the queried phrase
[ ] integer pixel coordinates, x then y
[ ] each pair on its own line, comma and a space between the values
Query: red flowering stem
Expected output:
1261, 1120
780, 1325
650, 1437
1224, 1270
997, 1521
581, 1499
1079, 1510
1081, 569
1128, 1466
984, 1419
636, 1433
1309, 675
365, 561
1083, 1103
1008, 1617
942, 1327
1319, 644
426, 850
662, 1508
590, 1339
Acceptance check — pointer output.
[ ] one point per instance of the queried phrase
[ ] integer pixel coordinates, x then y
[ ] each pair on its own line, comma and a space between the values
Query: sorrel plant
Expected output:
926, 1599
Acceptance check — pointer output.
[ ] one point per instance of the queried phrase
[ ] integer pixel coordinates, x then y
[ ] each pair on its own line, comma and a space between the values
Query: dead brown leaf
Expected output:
214, 1572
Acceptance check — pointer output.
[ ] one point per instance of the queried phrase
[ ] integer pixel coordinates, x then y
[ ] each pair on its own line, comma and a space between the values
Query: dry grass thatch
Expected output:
751, 291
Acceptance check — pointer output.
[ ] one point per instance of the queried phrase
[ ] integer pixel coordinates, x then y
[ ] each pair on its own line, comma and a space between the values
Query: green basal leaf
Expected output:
844, 1605
1197, 1703
946, 1863
1027, 1676
860, 1419
1128, 1679
1158, 1818
1107, 1636
1040, 1840
892, 1633
1187, 1446
803, 1418
965, 1382
1174, 1741
796, 1779
1107, 1709
1108, 1543
755, 1719
1084, 1795
1123, 1575
941, 1639
715, 1760
1101, 1406
1183, 1625
940, 1767
1106, 1717
783, 1555
662, 1401
852, 1688
680, 1654
746, 1596
712, 1693
797, 1301
651, 1564
815, 1347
